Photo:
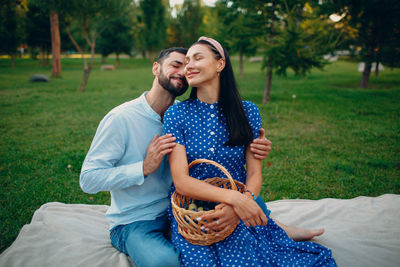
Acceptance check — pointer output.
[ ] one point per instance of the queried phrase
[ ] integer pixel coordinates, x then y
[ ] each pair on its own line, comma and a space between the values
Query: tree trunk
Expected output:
267, 88
365, 75
42, 58
55, 45
367, 67
86, 73
151, 57
87, 69
377, 68
241, 64
103, 59
12, 57
117, 61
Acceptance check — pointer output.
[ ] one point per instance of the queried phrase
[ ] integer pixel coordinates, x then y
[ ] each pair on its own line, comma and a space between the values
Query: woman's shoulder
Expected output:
178, 108
250, 106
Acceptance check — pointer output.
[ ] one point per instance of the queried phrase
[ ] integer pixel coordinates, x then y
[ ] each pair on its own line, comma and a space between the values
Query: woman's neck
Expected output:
209, 93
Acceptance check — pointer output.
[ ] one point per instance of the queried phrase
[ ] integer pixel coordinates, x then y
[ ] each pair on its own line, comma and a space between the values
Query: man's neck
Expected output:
159, 99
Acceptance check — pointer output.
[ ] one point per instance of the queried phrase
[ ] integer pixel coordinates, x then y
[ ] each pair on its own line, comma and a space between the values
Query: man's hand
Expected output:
221, 220
261, 146
158, 147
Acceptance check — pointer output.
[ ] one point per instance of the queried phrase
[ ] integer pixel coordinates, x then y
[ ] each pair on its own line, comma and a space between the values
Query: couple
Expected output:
127, 158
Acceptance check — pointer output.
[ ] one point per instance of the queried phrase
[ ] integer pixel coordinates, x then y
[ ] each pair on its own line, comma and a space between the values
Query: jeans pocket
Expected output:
115, 237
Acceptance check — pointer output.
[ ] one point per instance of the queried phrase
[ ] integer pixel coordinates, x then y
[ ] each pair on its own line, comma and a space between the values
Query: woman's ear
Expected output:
220, 64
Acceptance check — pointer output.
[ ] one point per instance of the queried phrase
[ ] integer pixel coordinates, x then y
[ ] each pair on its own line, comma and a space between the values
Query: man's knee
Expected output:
156, 258
154, 251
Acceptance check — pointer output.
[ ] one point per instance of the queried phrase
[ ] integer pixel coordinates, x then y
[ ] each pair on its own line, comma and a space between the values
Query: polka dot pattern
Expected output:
201, 128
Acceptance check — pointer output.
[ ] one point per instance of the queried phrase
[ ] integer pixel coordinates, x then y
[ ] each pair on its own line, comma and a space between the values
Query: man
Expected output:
127, 158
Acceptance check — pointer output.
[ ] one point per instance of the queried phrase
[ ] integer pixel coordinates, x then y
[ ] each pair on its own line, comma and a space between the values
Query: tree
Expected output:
53, 9
285, 43
153, 18
189, 21
93, 17
236, 31
378, 27
37, 28
12, 18
117, 38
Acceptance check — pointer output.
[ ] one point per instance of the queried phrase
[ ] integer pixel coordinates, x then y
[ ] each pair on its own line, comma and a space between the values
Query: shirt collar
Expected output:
213, 106
148, 108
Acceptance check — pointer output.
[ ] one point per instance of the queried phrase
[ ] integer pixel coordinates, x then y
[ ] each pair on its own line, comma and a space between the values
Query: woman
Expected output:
215, 124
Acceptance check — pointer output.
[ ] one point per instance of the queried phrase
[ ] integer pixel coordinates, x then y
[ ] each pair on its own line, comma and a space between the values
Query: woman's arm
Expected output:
254, 178
246, 208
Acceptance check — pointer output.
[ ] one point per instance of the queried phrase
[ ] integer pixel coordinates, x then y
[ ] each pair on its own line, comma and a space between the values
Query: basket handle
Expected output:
219, 166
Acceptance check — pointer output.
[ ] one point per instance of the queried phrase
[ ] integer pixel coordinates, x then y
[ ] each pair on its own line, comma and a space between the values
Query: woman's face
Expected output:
201, 66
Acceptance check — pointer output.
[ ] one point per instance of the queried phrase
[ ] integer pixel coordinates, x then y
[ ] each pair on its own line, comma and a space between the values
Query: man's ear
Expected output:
220, 64
156, 69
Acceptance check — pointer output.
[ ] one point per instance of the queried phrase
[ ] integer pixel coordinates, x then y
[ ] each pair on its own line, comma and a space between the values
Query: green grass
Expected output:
332, 140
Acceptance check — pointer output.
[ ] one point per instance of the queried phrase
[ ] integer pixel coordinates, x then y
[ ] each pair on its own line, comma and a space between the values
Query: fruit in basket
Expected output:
192, 206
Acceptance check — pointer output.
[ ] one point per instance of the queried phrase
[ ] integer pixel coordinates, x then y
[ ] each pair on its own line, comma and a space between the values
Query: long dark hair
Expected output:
230, 102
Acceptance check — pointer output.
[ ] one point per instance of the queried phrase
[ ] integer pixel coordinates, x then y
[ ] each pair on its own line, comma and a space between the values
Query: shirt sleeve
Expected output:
173, 124
254, 117
99, 171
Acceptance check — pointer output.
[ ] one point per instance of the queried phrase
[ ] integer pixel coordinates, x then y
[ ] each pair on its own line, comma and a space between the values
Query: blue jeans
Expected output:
145, 242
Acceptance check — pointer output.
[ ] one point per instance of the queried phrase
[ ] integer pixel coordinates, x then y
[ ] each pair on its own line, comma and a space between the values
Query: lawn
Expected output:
330, 138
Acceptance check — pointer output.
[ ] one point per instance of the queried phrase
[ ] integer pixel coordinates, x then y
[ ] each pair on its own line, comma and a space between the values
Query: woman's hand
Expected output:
247, 209
222, 219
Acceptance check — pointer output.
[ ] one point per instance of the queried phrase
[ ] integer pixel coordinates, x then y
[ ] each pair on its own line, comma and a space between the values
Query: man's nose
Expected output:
181, 71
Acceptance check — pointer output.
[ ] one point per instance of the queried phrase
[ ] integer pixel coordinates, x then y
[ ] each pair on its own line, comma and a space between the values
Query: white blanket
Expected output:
363, 231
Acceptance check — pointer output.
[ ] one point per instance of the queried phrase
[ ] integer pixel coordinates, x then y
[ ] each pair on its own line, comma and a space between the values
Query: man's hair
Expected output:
165, 53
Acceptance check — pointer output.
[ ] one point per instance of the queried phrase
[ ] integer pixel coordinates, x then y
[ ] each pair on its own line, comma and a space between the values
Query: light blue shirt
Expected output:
115, 163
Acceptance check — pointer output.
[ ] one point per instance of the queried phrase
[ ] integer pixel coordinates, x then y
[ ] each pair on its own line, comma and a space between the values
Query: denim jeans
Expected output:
145, 243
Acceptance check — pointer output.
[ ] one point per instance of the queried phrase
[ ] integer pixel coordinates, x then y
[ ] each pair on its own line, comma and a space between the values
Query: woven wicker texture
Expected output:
188, 227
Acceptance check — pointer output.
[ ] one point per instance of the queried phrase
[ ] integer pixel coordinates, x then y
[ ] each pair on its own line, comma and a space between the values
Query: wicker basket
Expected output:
188, 227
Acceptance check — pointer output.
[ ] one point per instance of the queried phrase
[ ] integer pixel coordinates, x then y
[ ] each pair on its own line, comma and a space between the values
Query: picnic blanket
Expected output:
363, 231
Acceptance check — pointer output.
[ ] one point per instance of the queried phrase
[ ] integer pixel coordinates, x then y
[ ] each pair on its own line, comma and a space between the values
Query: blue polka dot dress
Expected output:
201, 128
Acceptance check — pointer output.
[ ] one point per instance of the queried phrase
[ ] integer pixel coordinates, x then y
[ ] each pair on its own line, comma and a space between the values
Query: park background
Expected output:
334, 122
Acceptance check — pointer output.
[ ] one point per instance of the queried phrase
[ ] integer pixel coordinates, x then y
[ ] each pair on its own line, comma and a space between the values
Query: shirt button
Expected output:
212, 115
212, 106
212, 149
212, 133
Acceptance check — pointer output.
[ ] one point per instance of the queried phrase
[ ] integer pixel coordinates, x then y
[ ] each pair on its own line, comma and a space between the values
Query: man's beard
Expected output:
170, 87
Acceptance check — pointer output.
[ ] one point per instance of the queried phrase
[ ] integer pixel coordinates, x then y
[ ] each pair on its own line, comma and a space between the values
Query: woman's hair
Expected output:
230, 102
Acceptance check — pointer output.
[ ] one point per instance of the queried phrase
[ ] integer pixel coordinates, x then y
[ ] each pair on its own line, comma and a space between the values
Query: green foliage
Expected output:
332, 140
12, 26
377, 29
186, 25
117, 37
153, 17
295, 48
236, 29
38, 28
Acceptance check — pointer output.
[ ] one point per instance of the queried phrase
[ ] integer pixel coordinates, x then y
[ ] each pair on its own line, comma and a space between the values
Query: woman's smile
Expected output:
191, 74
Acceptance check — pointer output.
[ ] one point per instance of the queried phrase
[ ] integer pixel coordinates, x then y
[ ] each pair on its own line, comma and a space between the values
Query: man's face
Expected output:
171, 76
